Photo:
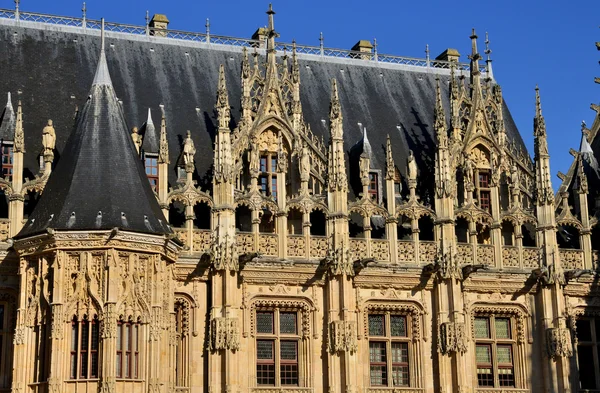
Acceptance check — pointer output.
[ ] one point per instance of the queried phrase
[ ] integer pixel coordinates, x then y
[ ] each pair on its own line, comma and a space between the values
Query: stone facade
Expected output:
469, 293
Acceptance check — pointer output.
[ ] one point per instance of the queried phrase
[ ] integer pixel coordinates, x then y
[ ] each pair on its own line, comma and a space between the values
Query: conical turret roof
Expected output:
99, 182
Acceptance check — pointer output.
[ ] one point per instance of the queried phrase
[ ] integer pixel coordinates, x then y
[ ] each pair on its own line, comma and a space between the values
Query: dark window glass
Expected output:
584, 330
264, 322
376, 325
287, 322
378, 366
587, 371
398, 325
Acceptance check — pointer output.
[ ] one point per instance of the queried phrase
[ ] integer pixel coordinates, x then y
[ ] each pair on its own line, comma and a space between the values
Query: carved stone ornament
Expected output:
224, 334
342, 337
558, 342
224, 253
452, 338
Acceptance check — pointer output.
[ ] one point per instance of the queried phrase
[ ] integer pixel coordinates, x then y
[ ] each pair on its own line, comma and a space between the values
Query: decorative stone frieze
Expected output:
558, 343
342, 337
452, 337
224, 334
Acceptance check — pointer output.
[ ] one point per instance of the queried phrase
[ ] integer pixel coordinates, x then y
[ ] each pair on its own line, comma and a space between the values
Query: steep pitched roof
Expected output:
150, 139
386, 98
8, 121
99, 182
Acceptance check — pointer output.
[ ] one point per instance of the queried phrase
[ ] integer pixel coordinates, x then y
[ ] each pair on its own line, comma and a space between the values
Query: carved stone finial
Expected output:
390, 168
222, 105
440, 118
189, 150
335, 111
19, 142
163, 152
474, 56
539, 124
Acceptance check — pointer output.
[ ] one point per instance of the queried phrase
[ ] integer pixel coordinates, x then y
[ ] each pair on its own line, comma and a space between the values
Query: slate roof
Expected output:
8, 121
387, 99
100, 182
149, 135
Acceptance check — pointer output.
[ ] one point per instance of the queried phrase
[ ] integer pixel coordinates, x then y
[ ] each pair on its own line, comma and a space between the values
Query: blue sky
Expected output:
550, 43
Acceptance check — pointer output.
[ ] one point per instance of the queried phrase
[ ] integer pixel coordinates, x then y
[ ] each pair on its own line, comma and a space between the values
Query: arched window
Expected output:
202, 215
267, 178
277, 347
295, 221
151, 166
404, 228
267, 221
356, 225
6, 333
128, 348
426, 228
567, 236
528, 233
177, 214
243, 218
7, 160
318, 223
462, 230
182, 351
85, 342
507, 233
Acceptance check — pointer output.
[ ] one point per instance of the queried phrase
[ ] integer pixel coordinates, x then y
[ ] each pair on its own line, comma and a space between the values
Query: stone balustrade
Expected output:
571, 259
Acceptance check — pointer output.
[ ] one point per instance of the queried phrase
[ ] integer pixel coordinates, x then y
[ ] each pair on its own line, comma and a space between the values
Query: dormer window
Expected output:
151, 164
397, 183
7, 161
267, 179
484, 191
181, 174
374, 186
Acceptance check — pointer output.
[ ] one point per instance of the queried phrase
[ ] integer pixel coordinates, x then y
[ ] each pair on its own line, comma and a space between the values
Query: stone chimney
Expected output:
260, 35
158, 25
363, 46
449, 55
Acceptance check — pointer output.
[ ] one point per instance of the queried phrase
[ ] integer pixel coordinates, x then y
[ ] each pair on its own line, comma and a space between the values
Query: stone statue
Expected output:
363, 165
253, 158
514, 177
188, 149
137, 139
304, 165
468, 170
412, 166
48, 138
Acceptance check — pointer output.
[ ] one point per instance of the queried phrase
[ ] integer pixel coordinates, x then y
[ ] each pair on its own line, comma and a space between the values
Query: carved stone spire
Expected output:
271, 35
440, 118
454, 106
19, 143
544, 193
365, 162
474, 57
102, 76
222, 106
488, 60
163, 152
222, 156
335, 113
390, 167
337, 164
246, 99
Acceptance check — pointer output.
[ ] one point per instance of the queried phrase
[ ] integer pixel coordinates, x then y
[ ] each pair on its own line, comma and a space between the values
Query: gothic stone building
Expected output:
279, 246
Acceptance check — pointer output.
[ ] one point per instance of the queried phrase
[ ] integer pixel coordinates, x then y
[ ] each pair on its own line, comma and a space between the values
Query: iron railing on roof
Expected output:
208, 38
